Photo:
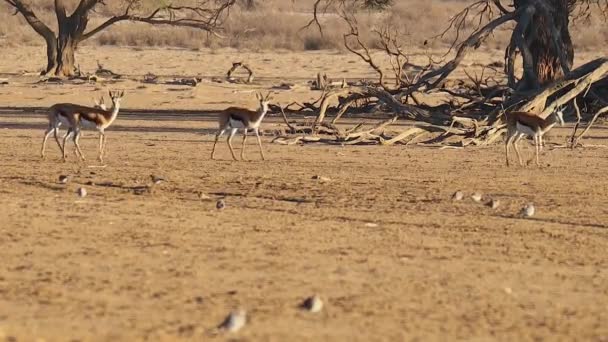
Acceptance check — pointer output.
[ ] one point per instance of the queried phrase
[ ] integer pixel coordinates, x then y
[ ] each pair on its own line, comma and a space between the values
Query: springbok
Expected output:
520, 124
235, 118
76, 117
101, 103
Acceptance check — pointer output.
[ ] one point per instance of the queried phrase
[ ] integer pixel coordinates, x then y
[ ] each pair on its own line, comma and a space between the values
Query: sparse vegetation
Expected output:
176, 235
277, 24
74, 25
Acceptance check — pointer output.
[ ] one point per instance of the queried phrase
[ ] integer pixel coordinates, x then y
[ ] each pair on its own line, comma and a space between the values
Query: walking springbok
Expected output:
520, 124
75, 117
101, 103
235, 118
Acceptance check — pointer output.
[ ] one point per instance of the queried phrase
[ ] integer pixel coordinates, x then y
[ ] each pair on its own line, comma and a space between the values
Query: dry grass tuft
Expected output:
275, 25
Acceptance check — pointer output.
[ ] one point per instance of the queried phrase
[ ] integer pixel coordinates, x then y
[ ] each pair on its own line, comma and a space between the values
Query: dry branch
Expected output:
402, 110
234, 67
355, 135
597, 114
403, 135
473, 42
479, 113
582, 84
465, 122
349, 101
578, 122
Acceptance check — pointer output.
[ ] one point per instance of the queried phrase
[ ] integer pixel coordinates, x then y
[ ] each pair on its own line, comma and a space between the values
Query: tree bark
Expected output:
547, 39
65, 58
71, 29
51, 55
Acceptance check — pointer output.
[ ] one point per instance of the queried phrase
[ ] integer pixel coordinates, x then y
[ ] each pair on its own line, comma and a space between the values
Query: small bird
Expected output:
527, 211
82, 192
322, 179
141, 190
63, 179
156, 179
220, 205
476, 197
234, 321
493, 203
458, 196
312, 304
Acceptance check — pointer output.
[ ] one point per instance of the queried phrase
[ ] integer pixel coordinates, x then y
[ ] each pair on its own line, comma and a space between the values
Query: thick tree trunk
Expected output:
541, 40
60, 53
66, 46
61, 60
51, 56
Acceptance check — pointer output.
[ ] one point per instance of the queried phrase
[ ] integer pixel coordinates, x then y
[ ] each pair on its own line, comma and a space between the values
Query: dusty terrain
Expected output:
391, 255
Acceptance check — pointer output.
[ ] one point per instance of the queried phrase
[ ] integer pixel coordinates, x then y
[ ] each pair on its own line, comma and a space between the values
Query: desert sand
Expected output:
377, 237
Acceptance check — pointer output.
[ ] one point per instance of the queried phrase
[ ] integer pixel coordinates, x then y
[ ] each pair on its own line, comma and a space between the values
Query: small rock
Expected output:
371, 225
82, 192
220, 205
508, 290
234, 321
312, 304
203, 196
63, 179
476, 197
493, 203
458, 196
528, 210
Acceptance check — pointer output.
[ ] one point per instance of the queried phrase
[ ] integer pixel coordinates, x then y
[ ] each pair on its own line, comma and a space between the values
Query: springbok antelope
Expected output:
75, 117
235, 118
520, 124
100, 103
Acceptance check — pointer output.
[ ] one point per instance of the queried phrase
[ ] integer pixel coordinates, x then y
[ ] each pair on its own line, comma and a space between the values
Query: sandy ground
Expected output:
391, 255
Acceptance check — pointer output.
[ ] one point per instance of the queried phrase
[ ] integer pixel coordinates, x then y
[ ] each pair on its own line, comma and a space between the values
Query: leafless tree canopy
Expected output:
540, 39
73, 22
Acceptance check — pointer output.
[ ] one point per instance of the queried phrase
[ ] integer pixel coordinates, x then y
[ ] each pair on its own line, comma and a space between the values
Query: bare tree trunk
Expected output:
60, 55
66, 46
51, 55
71, 29
65, 57
546, 37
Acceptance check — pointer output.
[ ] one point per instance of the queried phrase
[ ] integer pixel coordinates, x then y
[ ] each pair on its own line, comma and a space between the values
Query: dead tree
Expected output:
540, 37
206, 15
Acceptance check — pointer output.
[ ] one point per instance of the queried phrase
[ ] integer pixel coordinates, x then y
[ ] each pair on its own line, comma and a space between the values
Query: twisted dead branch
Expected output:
597, 114
476, 118
235, 66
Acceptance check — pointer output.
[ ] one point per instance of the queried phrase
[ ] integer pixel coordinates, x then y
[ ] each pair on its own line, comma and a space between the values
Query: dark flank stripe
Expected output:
90, 121
524, 124
236, 118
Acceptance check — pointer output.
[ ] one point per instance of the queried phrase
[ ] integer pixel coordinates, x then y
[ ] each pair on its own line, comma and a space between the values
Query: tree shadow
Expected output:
118, 128
549, 220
